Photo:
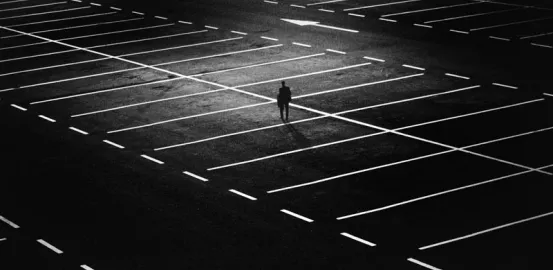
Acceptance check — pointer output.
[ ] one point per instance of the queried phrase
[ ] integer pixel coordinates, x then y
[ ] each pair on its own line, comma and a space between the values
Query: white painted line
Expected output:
2, 239
547, 94
504, 85
357, 15
298, 6
336, 51
159, 17
388, 20
42, 13
95, 4
46, 244
360, 85
27, 7
500, 38
422, 25
152, 159
509, 137
7, 221
537, 35
542, 45
78, 130
301, 44
18, 107
9, 2
78, 1
270, 2
115, 8
240, 33
486, 231
138, 13
114, 144
471, 15
269, 38
195, 176
458, 31
211, 27
63, 19
187, 117
428, 9
119, 31
86, 267
515, 5
326, 10
457, 76
361, 240
242, 194
507, 24
372, 58
296, 215
184, 22
379, 5
423, 264
325, 2
47, 118
413, 67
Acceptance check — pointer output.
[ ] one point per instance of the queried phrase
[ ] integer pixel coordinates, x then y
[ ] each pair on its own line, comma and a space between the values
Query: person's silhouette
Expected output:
283, 99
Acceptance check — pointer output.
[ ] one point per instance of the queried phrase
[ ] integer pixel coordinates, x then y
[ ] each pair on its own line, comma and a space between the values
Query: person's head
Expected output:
283, 83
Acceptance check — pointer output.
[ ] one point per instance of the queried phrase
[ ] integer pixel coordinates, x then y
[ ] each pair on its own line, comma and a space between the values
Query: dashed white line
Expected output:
240, 33
64, 19
422, 25
153, 159
358, 239
301, 44
499, 38
138, 13
47, 118
269, 38
7, 221
43, 13
296, 215
388, 20
242, 194
160, 17
379, 5
78, 130
184, 22
335, 51
114, 144
195, 176
457, 76
372, 58
458, 31
428, 9
357, 15
486, 231
211, 27
270, 2
18, 107
423, 264
86, 267
298, 6
325, 2
95, 4
542, 45
26, 7
413, 67
504, 85
51, 247
115, 8
326, 10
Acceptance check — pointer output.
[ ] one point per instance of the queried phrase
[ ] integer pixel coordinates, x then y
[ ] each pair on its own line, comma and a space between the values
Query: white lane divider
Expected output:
243, 194
326, 10
153, 159
211, 27
413, 67
63, 19
138, 13
270, 2
547, 94
298, 6
7, 221
115, 8
457, 76
542, 45
356, 15
269, 38
51, 247
86, 267
379, 5
372, 58
423, 264
336, 51
9, 2
95, 4
422, 25
459, 31
160, 17
114, 144
78, 130
388, 20
18, 107
184, 22
504, 85
361, 240
47, 118
500, 38
27, 7
43, 13
296, 215
301, 44
428, 9
195, 176
238, 32
325, 2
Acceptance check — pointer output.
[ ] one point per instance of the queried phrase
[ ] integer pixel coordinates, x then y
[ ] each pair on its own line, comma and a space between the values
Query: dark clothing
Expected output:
283, 99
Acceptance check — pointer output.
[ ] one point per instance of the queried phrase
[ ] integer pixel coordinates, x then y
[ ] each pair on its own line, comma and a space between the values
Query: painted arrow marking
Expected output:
313, 23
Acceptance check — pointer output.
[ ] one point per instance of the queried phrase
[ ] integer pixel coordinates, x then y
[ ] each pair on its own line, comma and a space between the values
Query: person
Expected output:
283, 100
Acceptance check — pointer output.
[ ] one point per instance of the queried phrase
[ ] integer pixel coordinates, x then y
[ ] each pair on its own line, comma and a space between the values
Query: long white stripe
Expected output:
152, 159
510, 137
471, 15
513, 23
457, 76
114, 144
358, 239
379, 5
504, 85
47, 118
26, 7
537, 35
423, 264
242, 194
63, 19
78, 130
18, 107
7, 221
296, 215
486, 231
46, 244
42, 13
9, 2
428, 9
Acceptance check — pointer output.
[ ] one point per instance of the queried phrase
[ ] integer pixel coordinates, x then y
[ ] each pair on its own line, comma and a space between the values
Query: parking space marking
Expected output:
413, 67
326, 10
499, 38
486, 231
325, 2
547, 94
511, 4
379, 5
422, 25
457, 76
184, 22
301, 44
211, 27
18, 107
2, 239
388, 20
357, 15
374, 59
458, 31
423, 264
7, 221
269, 38
542, 45
428, 9
115, 8
160, 17
9, 2
270, 2
238, 32
114, 144
298, 6
358, 239
537, 35
95, 4
86, 267
47, 118
51, 247
504, 85
242, 194
509, 137
26, 7
195, 176
78, 130
63, 19
137, 13
42, 13
187, 117
296, 215
471, 15
152, 159
512, 23
335, 51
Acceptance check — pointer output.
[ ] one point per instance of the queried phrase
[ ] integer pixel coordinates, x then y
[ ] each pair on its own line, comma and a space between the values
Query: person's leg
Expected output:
281, 107
286, 111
